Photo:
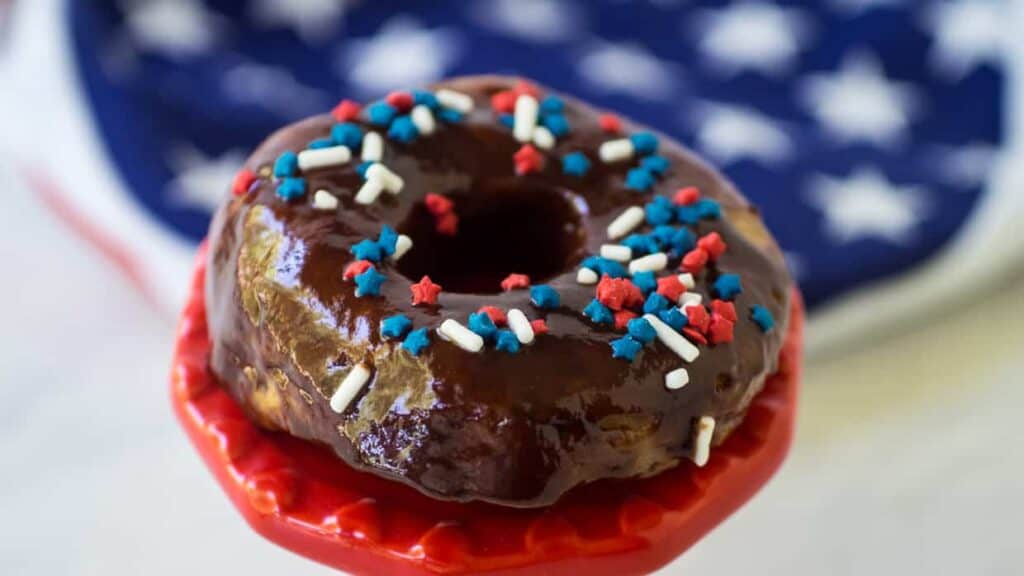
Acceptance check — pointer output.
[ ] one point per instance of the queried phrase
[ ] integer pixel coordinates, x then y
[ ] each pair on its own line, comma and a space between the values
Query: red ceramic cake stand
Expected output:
302, 497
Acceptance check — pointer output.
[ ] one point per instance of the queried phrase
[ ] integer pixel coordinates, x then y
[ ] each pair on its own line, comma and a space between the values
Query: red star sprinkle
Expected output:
447, 224
712, 244
401, 100
438, 204
670, 287
697, 317
425, 292
515, 281
686, 196
539, 326
694, 260
695, 336
243, 180
497, 315
528, 160
720, 330
725, 309
526, 87
356, 268
610, 123
622, 318
504, 102
618, 293
346, 110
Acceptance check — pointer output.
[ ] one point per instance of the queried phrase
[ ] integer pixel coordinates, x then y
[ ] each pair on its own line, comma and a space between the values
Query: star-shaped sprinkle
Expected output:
639, 179
697, 317
659, 211
403, 130
556, 123
380, 113
655, 164
644, 142
686, 196
395, 326
416, 341
708, 209
286, 164
598, 313
497, 315
682, 241
671, 287
482, 324
368, 283
622, 318
604, 266
728, 286
545, 297
610, 123
507, 341
346, 110
347, 134
645, 281
356, 268
724, 308
243, 180
575, 164
673, 317
387, 240
552, 105
291, 188
515, 282
366, 250
720, 331
625, 348
539, 326
528, 160
762, 317
425, 292
655, 303
713, 244
641, 244
694, 261
641, 330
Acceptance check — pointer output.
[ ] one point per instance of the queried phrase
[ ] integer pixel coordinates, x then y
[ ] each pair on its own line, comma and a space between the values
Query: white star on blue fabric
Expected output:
853, 8
200, 181
729, 133
967, 34
965, 166
867, 205
273, 88
529, 20
312, 20
175, 28
627, 68
403, 53
752, 36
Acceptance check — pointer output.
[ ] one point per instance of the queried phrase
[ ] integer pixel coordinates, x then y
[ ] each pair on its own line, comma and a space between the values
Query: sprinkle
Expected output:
346, 110
515, 282
645, 281
392, 182
762, 317
677, 378
507, 342
460, 335
698, 318
447, 224
641, 244
663, 234
575, 164
373, 147
347, 134
543, 138
644, 142
368, 283
552, 105
639, 179
702, 442
425, 292
625, 223
291, 188
286, 164
544, 296
495, 314
387, 240
586, 276
423, 119
690, 299
618, 293
712, 244
682, 241
395, 326
641, 330
687, 279
350, 386
610, 123
540, 326
656, 164
403, 130
367, 250
673, 317
622, 318
659, 212
556, 123
400, 100
402, 245
504, 101
324, 200
424, 98
724, 309
688, 214
708, 209
526, 87
506, 120
450, 116
694, 260
671, 288
528, 159
598, 313
369, 191
695, 336
416, 341
321, 143
625, 348
323, 157
362, 168
655, 303
653, 262
525, 115
672, 339
720, 331
604, 266
243, 180
356, 268
686, 196
457, 101
616, 252
437, 204
481, 324
728, 286
616, 151
519, 324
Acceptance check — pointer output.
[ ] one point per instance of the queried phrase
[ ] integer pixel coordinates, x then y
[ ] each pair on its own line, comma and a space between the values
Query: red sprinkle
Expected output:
539, 326
686, 196
356, 268
515, 281
720, 330
504, 102
528, 160
697, 316
525, 87
496, 314
437, 204
610, 123
695, 260
401, 100
712, 244
346, 110
243, 180
447, 224
618, 293
724, 308
425, 292
622, 318
695, 336
670, 287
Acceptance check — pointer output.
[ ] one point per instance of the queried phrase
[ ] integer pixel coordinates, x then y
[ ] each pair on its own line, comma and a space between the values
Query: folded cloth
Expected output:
873, 134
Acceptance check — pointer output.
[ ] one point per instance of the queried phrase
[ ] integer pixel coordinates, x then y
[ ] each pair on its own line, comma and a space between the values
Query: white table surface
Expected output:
909, 457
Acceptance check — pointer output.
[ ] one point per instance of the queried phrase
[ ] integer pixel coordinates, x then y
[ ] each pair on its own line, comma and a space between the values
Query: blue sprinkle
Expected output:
639, 179
674, 318
368, 283
644, 142
347, 134
656, 164
291, 188
762, 317
380, 113
708, 208
625, 348
641, 330
395, 326
450, 116
728, 286
387, 240
575, 164
598, 313
416, 341
688, 214
604, 266
556, 123
507, 342
656, 212
367, 250
424, 98
663, 234
682, 241
646, 282
551, 105
482, 324
287, 164
507, 120
320, 143
641, 244
362, 167
544, 296
403, 130
655, 303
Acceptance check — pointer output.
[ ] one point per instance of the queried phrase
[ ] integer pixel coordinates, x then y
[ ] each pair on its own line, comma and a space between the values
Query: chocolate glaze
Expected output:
516, 429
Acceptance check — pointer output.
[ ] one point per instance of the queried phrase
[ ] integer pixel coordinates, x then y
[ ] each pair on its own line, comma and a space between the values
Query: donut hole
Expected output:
503, 228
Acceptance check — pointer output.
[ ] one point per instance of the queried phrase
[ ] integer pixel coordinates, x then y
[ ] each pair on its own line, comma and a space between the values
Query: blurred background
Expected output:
879, 137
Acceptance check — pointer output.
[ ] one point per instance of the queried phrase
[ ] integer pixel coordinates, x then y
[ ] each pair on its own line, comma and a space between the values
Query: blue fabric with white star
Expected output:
866, 150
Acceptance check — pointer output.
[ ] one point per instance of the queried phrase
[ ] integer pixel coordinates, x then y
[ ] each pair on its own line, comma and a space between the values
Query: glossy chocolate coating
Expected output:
515, 429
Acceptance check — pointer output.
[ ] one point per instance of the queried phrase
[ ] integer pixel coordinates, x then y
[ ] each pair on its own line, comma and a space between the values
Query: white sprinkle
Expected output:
690, 299
625, 223
616, 252
392, 182
455, 100
369, 191
702, 443
687, 279
324, 157
373, 147
674, 340
525, 117
324, 200
650, 263
520, 325
462, 337
402, 245
586, 276
354, 381
616, 150
677, 378
543, 138
423, 119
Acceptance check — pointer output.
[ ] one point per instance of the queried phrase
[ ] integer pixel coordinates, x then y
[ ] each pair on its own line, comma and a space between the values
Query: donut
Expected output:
491, 291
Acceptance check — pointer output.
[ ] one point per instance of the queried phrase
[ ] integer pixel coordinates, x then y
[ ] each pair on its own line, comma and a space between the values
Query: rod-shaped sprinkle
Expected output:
672, 339
520, 325
690, 299
392, 182
616, 252
586, 276
402, 245
543, 138
354, 381
423, 119
462, 337
687, 280
373, 147
677, 378
525, 118
455, 100
702, 442
324, 157
625, 223
324, 200
616, 150
650, 263
369, 191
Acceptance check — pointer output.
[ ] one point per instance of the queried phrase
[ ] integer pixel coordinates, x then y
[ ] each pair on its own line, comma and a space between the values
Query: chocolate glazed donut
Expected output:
311, 297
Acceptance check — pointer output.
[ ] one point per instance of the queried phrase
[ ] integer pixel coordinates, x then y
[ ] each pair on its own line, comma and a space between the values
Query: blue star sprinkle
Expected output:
641, 244
507, 342
682, 241
644, 143
291, 188
655, 303
482, 324
575, 164
287, 164
347, 134
641, 330
380, 113
660, 211
708, 209
598, 313
507, 120
416, 341
424, 98
656, 164
368, 283
728, 286
403, 130
544, 296
663, 234
625, 348
762, 317
387, 240
450, 116
688, 214
556, 123
366, 250
645, 281
605, 266
674, 318
551, 105
639, 179
395, 326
